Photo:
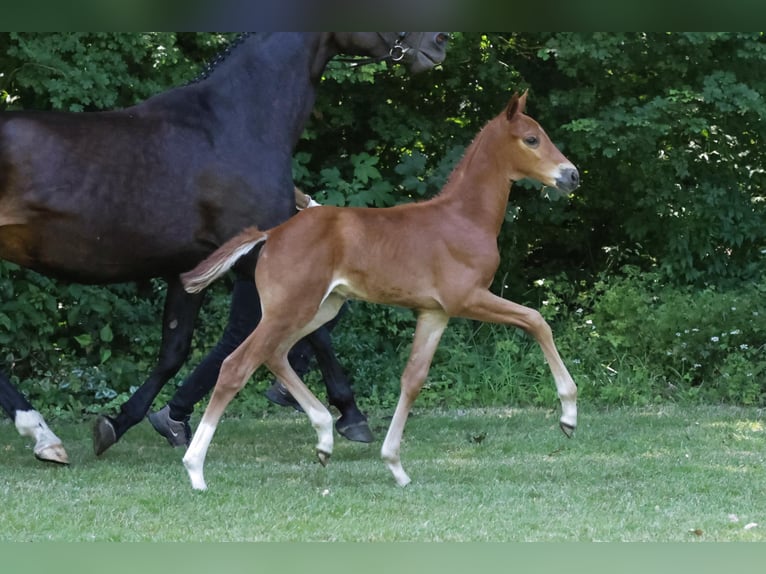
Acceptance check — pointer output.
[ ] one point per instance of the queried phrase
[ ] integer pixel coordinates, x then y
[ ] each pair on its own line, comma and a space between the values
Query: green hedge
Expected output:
652, 273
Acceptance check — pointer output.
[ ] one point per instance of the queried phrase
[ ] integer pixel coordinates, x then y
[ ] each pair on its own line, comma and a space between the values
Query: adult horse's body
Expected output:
150, 190
437, 257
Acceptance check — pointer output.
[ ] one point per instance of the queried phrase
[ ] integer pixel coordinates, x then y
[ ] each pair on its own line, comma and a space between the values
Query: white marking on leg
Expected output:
389, 452
321, 420
194, 459
428, 332
47, 445
565, 385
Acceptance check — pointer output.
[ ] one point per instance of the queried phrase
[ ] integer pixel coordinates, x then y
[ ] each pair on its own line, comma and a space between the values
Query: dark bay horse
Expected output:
150, 190
437, 257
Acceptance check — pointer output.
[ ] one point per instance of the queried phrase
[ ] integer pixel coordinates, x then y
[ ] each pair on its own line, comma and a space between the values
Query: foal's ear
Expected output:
516, 105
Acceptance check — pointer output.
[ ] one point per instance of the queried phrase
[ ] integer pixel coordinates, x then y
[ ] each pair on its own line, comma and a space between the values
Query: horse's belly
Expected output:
92, 256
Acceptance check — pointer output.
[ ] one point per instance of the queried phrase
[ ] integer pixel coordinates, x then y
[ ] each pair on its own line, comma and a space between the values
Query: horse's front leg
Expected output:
352, 423
179, 316
485, 306
428, 333
29, 422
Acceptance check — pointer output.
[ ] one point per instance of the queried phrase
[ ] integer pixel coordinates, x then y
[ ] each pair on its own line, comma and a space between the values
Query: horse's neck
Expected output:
269, 82
479, 186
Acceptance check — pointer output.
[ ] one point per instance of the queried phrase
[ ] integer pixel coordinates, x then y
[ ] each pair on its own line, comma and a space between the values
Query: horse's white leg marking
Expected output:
47, 445
320, 417
235, 371
428, 332
194, 459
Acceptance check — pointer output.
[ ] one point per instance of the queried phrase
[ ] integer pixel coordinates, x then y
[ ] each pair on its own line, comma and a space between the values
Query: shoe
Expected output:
178, 433
278, 394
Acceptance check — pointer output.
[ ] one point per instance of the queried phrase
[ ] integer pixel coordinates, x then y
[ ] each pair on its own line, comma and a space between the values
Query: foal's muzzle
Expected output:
568, 179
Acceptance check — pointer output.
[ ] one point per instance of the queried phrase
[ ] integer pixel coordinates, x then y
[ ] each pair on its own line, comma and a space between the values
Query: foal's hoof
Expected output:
567, 429
324, 457
104, 434
54, 453
359, 432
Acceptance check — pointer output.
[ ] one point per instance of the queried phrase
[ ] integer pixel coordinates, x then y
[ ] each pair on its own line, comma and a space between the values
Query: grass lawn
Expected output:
666, 473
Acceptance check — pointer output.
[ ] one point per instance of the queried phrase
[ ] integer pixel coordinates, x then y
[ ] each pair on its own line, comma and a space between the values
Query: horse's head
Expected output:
418, 50
535, 155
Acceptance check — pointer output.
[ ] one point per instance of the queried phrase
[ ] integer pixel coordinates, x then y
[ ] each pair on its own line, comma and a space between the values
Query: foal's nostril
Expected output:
441, 38
569, 179
575, 177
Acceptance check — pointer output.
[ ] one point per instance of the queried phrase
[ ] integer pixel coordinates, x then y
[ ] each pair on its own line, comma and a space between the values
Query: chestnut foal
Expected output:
437, 257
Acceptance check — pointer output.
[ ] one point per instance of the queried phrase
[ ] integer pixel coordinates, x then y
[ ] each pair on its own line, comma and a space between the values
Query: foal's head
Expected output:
534, 154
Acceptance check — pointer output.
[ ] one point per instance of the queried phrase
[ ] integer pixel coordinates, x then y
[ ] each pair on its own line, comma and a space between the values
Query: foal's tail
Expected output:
222, 259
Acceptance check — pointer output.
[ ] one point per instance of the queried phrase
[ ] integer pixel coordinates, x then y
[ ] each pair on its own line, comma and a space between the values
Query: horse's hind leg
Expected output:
179, 316
29, 422
235, 371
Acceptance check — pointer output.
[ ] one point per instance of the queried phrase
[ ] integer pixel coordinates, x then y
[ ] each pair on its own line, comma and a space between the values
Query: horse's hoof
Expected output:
104, 434
324, 457
359, 432
567, 429
54, 453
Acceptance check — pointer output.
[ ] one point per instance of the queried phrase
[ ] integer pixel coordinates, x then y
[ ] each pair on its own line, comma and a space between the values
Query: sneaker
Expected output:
278, 394
178, 433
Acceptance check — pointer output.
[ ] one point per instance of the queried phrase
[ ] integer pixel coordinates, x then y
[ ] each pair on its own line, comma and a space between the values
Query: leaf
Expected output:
84, 340
105, 334
364, 167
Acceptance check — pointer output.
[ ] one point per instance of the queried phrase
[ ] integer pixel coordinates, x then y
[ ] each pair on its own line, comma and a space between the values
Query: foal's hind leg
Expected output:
269, 342
431, 325
236, 369
320, 417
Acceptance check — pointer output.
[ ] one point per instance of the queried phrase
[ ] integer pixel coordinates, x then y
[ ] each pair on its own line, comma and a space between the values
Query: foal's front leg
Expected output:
485, 306
431, 325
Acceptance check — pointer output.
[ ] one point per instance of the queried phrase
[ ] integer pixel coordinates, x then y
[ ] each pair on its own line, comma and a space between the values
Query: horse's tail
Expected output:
222, 259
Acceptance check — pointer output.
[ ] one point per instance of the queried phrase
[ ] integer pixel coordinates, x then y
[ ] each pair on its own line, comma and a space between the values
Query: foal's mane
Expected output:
468, 156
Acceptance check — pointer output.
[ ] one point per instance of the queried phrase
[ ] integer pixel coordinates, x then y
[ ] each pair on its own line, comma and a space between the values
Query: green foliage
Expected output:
79, 71
637, 271
633, 339
668, 130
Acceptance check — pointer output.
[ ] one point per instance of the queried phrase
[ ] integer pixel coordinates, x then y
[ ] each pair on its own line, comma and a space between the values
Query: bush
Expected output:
632, 338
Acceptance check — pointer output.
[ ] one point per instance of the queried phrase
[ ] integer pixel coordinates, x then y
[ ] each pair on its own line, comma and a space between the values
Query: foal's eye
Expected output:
532, 141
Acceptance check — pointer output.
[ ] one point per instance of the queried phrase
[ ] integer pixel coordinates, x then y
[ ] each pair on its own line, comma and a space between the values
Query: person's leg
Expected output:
352, 424
172, 420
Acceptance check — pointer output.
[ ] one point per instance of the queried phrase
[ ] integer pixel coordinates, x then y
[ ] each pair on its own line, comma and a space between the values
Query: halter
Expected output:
395, 53
398, 50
